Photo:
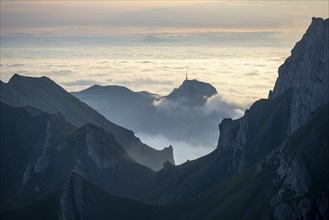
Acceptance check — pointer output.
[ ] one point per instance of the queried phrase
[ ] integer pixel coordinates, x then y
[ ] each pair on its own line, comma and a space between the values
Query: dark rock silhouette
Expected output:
44, 94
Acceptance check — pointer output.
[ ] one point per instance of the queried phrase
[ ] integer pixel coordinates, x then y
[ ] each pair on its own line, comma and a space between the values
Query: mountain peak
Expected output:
20, 78
152, 39
192, 92
316, 20
305, 71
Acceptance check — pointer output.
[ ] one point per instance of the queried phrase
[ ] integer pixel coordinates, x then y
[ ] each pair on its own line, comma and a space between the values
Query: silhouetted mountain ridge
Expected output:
41, 149
44, 94
183, 112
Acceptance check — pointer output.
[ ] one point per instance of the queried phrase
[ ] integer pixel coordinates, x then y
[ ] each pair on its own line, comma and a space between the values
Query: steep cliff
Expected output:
306, 71
302, 87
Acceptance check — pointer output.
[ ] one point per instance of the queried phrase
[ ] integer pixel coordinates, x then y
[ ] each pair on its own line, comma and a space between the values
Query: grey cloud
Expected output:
252, 73
145, 81
17, 65
80, 83
183, 151
60, 73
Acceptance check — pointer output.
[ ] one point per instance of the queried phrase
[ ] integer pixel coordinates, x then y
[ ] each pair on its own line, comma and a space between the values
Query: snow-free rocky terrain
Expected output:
272, 163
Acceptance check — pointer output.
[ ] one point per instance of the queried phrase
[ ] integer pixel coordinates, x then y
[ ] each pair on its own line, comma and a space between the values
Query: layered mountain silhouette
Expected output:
183, 115
152, 39
44, 94
41, 149
272, 163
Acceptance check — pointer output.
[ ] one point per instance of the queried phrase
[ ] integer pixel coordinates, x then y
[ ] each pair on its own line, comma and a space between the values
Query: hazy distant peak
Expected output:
152, 39
106, 90
19, 78
192, 92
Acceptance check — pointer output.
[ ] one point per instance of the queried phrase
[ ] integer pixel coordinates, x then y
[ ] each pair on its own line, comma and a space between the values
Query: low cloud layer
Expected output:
214, 104
182, 151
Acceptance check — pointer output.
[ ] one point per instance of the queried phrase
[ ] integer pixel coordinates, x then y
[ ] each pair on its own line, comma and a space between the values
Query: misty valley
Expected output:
108, 152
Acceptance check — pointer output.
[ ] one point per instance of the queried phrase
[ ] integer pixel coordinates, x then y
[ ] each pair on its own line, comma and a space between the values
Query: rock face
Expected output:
292, 182
41, 150
302, 87
306, 71
46, 95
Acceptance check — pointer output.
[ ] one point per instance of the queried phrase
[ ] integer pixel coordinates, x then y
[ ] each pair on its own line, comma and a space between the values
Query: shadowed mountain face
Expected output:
188, 114
44, 94
81, 199
39, 150
287, 184
270, 164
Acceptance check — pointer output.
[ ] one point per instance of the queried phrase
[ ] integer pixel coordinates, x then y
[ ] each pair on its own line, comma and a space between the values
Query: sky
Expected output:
114, 17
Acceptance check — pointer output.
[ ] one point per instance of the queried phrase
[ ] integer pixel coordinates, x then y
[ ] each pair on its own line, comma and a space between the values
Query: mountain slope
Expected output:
119, 104
306, 71
290, 183
304, 94
39, 150
44, 94
81, 199
26, 133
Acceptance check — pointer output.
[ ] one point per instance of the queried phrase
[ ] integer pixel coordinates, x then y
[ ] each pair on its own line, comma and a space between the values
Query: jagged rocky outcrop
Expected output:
306, 71
292, 182
44, 94
302, 87
39, 150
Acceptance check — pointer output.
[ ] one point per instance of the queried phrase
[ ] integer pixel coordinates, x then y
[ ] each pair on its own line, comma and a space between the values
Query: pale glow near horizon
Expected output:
113, 17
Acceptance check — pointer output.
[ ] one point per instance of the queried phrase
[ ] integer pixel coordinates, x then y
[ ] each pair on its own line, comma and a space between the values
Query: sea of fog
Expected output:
243, 68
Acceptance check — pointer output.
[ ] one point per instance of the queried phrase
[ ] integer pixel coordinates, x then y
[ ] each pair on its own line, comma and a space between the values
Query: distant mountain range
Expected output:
44, 94
183, 115
272, 163
152, 39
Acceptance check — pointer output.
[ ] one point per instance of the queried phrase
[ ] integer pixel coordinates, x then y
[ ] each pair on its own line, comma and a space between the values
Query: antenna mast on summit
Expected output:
186, 72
